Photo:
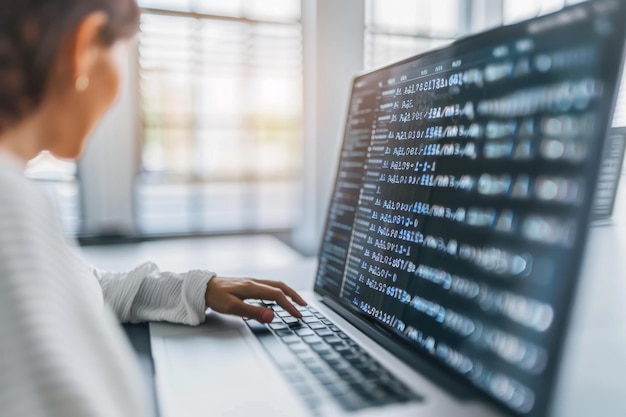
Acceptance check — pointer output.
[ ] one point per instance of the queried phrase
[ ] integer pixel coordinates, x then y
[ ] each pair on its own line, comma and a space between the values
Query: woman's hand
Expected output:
227, 295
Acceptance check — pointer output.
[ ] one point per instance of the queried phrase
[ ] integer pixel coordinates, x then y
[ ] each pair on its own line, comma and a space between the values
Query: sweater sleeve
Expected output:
149, 294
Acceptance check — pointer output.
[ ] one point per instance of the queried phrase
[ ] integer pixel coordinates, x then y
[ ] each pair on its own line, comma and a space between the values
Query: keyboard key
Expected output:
368, 372
317, 326
255, 303
257, 328
357, 387
342, 387
327, 322
324, 332
358, 352
332, 384
350, 402
332, 355
340, 365
353, 358
334, 328
291, 339
308, 358
333, 340
310, 319
321, 348
291, 320
278, 326
319, 315
342, 335
284, 332
385, 377
349, 377
299, 347
330, 359
369, 386
341, 348
283, 314
379, 395
304, 332
315, 367
312, 339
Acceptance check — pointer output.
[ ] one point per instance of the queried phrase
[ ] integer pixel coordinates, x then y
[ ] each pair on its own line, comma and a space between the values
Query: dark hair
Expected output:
31, 33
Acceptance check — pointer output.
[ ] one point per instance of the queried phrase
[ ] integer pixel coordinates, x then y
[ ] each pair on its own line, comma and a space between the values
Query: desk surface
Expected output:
592, 383
238, 255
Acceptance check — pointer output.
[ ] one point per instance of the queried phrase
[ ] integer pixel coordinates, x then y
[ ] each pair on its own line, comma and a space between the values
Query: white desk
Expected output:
594, 379
257, 256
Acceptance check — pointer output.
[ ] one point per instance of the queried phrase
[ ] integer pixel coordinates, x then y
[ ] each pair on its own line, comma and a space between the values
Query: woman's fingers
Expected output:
260, 314
284, 288
226, 295
256, 289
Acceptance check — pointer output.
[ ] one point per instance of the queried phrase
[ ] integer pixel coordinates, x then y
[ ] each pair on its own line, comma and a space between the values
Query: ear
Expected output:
85, 43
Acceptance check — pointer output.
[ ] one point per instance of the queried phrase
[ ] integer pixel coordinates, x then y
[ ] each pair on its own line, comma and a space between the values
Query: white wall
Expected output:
333, 54
107, 170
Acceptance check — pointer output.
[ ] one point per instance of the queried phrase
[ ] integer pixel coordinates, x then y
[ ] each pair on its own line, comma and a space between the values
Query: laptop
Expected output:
453, 241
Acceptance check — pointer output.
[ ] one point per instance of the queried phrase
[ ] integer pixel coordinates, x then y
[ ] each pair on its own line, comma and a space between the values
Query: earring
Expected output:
82, 83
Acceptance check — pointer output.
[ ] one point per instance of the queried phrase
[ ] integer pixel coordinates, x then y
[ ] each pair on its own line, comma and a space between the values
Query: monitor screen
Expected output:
464, 192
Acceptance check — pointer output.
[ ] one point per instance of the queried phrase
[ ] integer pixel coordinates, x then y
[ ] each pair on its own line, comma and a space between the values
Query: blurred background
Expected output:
231, 114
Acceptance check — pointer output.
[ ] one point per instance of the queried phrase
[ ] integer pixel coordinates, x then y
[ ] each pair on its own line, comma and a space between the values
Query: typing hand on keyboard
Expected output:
227, 295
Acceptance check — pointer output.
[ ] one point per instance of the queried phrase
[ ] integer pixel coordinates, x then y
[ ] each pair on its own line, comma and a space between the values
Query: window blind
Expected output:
221, 101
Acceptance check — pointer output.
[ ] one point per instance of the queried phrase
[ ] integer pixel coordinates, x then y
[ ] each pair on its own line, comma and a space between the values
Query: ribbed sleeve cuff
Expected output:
194, 292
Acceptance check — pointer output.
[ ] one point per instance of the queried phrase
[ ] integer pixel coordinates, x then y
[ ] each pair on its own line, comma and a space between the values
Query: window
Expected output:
221, 101
396, 29
514, 11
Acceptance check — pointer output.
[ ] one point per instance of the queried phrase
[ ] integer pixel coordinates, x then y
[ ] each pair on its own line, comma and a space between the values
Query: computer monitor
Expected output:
463, 197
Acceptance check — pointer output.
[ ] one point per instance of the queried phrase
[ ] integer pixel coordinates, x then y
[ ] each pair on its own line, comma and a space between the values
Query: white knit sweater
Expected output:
62, 352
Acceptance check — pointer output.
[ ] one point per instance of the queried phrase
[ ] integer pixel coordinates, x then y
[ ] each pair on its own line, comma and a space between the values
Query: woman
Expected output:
61, 350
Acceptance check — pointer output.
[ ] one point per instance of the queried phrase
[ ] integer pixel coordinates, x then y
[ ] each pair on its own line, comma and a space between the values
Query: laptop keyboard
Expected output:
322, 363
